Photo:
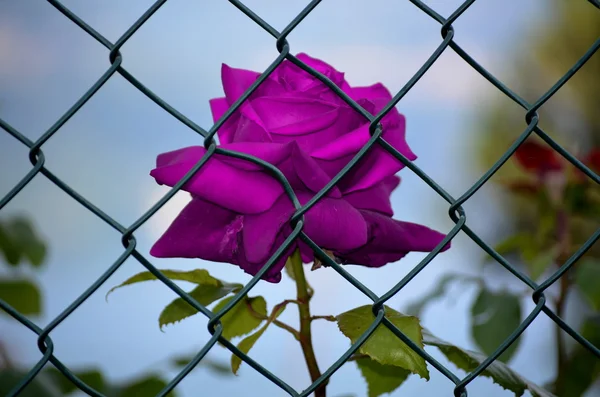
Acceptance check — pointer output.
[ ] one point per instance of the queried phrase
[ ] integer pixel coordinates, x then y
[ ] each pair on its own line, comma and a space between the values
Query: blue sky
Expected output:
108, 148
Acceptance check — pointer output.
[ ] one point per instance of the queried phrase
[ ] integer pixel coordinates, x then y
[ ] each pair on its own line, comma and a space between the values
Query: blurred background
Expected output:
457, 123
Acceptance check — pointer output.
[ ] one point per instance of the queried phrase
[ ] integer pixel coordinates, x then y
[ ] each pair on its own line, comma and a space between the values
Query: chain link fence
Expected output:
455, 211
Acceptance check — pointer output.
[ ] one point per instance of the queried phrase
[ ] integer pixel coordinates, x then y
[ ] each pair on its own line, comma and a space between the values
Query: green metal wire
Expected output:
455, 211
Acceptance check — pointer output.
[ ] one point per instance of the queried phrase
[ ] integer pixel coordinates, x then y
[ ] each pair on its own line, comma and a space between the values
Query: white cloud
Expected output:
450, 80
159, 222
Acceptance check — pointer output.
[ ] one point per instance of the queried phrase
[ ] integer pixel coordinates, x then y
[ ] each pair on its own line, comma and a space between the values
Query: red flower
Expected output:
535, 157
593, 160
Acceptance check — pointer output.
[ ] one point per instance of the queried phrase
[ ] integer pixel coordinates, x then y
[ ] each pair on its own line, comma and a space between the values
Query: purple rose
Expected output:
292, 105
240, 214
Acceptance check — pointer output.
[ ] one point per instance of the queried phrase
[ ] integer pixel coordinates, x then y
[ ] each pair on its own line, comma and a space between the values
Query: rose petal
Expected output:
390, 240
378, 163
373, 92
312, 123
207, 231
236, 82
301, 171
333, 223
593, 160
261, 230
218, 107
375, 198
375, 166
533, 156
322, 67
201, 230
240, 190
249, 127
293, 79
294, 116
273, 274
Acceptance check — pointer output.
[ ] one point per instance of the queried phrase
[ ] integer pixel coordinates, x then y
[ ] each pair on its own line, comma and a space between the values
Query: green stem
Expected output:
561, 360
327, 318
276, 322
564, 287
303, 296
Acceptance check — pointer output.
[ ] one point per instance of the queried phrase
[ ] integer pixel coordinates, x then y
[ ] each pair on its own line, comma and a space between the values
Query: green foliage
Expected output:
583, 367
537, 264
383, 346
179, 309
23, 295
499, 372
52, 383
587, 278
495, 315
381, 378
516, 242
41, 386
582, 200
248, 342
215, 367
91, 377
19, 241
538, 251
208, 290
417, 307
148, 386
244, 317
197, 276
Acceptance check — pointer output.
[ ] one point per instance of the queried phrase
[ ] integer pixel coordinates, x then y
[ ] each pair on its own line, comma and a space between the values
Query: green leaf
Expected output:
31, 246
18, 240
209, 289
23, 295
499, 372
540, 261
380, 378
581, 200
41, 386
91, 377
494, 317
583, 367
416, 308
587, 278
532, 249
240, 320
203, 294
514, 243
151, 385
383, 346
248, 342
212, 365
11, 251
197, 276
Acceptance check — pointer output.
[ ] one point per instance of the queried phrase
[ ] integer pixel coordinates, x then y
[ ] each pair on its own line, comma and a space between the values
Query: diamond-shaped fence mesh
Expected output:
456, 212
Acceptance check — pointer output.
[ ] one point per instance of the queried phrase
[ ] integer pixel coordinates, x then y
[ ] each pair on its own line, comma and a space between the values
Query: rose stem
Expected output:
305, 321
564, 287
